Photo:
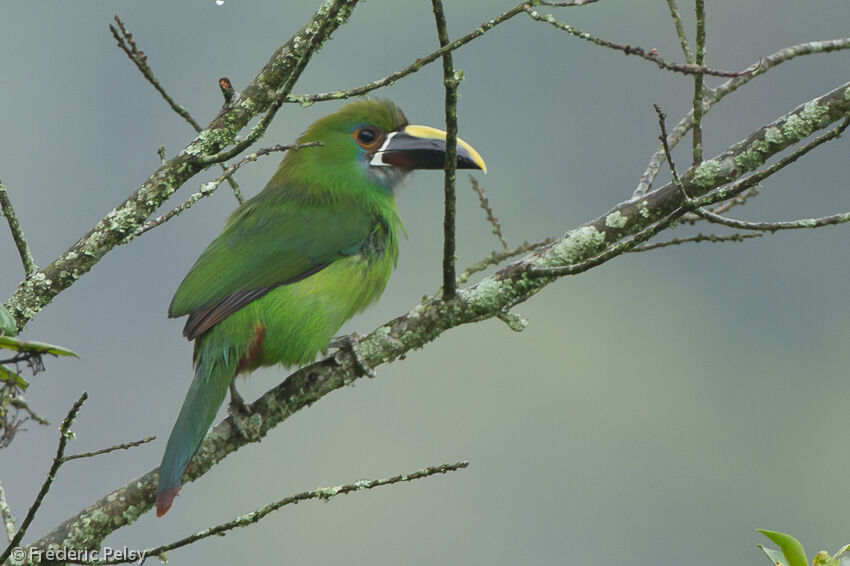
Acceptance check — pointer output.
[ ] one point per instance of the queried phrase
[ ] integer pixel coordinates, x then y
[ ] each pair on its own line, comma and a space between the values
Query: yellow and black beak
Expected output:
423, 147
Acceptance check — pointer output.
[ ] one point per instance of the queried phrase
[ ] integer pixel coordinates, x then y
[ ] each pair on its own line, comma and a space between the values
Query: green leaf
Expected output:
10, 343
8, 376
7, 323
791, 548
775, 556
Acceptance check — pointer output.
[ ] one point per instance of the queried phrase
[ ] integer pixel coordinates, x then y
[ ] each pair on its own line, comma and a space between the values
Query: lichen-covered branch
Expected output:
451, 80
6, 515
58, 460
714, 238
265, 92
489, 298
17, 233
801, 224
698, 83
716, 95
322, 494
680, 30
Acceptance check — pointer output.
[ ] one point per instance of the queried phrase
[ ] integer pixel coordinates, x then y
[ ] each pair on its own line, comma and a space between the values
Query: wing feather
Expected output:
265, 244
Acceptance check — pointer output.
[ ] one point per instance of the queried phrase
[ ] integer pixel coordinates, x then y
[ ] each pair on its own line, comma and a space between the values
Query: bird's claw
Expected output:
349, 342
244, 421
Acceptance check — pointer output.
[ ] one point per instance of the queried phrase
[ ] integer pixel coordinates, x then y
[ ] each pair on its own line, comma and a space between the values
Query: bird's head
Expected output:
371, 140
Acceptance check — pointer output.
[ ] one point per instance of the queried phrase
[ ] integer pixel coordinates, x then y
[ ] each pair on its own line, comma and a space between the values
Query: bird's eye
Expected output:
367, 136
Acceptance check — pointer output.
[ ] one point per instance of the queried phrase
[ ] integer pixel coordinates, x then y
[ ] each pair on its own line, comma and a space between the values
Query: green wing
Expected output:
265, 245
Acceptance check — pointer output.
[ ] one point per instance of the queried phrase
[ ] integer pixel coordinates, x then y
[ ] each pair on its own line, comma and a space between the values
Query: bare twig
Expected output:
413, 67
138, 57
17, 233
6, 515
497, 257
680, 30
800, 224
128, 45
698, 238
324, 494
451, 80
651, 55
124, 446
663, 137
210, 187
737, 201
717, 94
21, 404
64, 435
485, 204
698, 83
558, 3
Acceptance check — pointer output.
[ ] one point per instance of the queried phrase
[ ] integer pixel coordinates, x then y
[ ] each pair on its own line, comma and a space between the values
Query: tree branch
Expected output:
730, 86
451, 80
413, 67
6, 515
322, 493
17, 233
680, 30
801, 224
64, 434
651, 55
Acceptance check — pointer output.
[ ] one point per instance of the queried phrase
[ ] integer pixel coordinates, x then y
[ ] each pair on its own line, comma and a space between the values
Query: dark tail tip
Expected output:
164, 499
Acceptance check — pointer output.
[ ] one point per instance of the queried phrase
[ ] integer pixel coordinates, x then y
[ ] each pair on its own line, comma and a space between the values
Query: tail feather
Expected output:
213, 374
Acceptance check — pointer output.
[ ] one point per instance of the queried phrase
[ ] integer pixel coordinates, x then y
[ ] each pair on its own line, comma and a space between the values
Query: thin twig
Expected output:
651, 55
698, 238
124, 446
737, 201
6, 515
800, 224
17, 233
559, 3
255, 516
663, 137
64, 434
497, 257
698, 82
413, 67
21, 404
680, 30
210, 187
138, 57
451, 80
485, 204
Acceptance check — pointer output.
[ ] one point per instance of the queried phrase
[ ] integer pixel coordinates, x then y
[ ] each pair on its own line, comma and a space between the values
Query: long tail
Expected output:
215, 368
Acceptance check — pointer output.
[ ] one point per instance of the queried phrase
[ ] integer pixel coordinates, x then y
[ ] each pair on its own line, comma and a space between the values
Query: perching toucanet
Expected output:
292, 264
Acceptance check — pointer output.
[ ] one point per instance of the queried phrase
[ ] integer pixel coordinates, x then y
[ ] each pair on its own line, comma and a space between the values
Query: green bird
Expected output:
292, 264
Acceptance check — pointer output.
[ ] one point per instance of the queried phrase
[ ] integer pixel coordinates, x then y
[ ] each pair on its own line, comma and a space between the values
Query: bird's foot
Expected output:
349, 342
237, 403
246, 423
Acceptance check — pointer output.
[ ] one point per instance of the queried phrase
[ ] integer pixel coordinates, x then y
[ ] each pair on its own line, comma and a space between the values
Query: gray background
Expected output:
656, 410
